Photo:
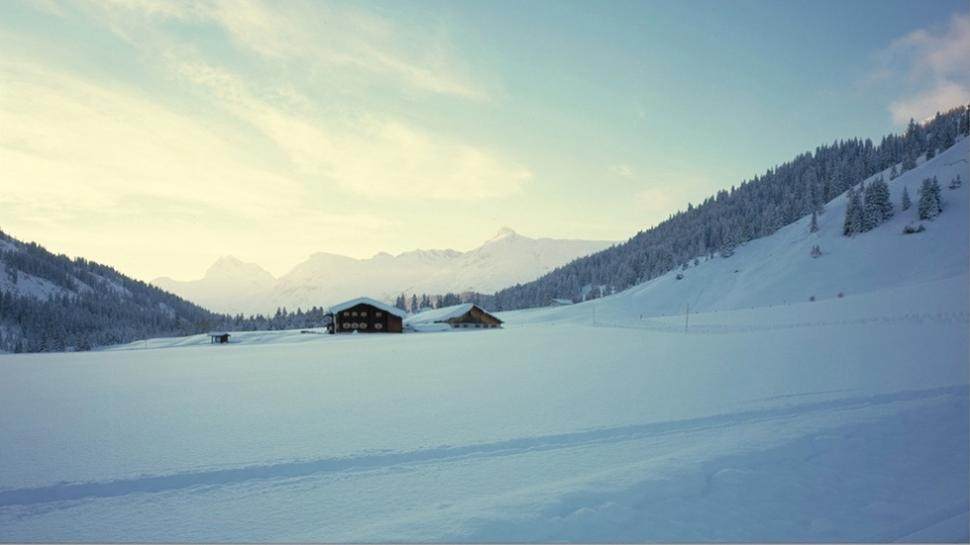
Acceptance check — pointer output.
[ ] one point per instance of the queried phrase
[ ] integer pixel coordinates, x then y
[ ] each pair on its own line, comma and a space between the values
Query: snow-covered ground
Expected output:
769, 417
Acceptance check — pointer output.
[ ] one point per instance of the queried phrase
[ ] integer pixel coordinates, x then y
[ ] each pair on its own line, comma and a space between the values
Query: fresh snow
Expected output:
760, 416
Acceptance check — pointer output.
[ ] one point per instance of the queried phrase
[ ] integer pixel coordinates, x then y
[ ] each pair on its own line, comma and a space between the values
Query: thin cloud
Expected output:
369, 154
312, 35
931, 68
624, 171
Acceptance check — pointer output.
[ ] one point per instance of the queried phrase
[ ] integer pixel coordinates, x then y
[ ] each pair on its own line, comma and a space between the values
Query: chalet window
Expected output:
363, 325
353, 325
378, 326
354, 313
363, 313
378, 314
346, 325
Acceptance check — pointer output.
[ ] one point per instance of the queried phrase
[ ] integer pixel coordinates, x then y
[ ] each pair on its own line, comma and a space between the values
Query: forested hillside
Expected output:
754, 209
51, 302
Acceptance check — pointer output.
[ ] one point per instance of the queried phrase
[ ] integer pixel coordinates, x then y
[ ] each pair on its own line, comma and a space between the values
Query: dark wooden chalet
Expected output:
464, 316
366, 315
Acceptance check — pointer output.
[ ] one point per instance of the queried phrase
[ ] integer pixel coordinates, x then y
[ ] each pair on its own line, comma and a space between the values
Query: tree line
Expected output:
55, 303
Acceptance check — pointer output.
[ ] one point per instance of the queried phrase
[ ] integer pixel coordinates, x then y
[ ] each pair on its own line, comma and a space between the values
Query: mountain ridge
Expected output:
325, 278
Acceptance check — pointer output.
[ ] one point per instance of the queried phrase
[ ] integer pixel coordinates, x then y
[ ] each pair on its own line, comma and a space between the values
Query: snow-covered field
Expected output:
770, 418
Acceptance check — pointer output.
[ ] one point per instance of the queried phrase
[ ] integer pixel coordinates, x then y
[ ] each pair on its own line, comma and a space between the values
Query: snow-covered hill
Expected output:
324, 279
780, 270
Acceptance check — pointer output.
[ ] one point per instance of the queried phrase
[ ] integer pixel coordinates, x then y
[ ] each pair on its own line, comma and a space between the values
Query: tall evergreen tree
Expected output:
878, 205
907, 202
854, 214
930, 204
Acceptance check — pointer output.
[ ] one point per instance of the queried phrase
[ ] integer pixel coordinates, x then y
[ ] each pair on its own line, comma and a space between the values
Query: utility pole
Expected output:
687, 318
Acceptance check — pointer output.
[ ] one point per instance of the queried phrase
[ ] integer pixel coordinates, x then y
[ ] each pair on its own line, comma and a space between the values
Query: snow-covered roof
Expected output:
368, 301
440, 314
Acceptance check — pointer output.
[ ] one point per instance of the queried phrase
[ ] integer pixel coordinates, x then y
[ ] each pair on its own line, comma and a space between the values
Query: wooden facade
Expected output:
367, 316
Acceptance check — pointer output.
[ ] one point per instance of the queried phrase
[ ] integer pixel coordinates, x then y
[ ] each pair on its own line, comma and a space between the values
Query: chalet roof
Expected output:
441, 314
368, 301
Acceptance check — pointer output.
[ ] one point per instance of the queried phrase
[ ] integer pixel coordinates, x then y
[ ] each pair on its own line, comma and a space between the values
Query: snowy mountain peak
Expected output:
231, 267
504, 232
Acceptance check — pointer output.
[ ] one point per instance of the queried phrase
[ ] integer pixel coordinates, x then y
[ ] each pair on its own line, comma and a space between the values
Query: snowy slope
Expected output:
779, 270
771, 418
325, 279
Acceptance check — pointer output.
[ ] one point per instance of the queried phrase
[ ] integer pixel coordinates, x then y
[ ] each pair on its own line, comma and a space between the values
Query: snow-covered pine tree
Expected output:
883, 202
853, 214
909, 161
929, 199
870, 208
956, 182
813, 227
816, 251
907, 202
893, 174
938, 193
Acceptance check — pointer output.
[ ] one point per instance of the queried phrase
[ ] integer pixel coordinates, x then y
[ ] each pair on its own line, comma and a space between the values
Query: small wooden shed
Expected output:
219, 337
366, 315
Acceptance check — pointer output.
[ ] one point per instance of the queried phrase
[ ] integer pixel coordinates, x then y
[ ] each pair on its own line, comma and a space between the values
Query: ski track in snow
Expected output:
157, 483
831, 470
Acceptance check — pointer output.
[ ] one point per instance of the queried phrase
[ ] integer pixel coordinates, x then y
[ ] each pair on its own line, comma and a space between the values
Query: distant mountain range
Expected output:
508, 258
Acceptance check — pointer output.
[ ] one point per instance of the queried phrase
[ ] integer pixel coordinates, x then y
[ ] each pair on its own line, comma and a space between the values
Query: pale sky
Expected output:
157, 136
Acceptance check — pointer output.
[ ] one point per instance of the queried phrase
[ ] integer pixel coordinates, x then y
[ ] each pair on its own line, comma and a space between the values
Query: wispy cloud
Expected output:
279, 132
315, 36
101, 167
930, 68
363, 151
624, 171
369, 154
